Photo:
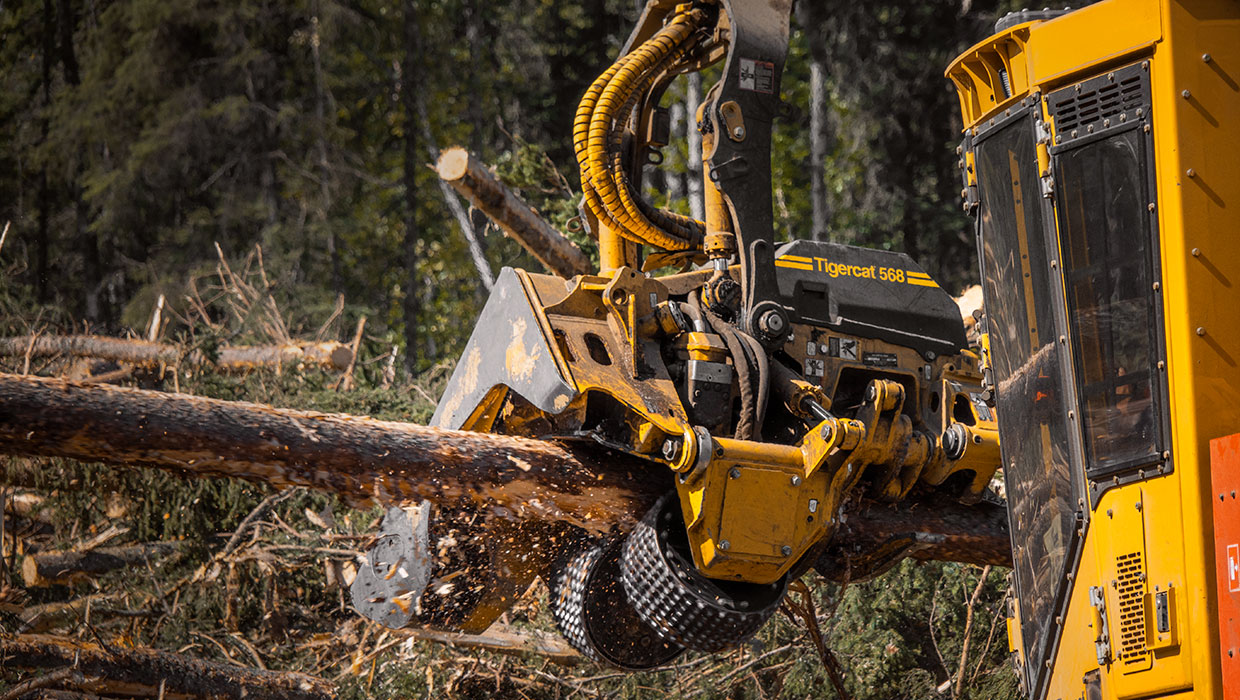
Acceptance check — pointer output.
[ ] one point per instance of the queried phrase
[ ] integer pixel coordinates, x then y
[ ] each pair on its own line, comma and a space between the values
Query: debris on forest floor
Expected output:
108, 669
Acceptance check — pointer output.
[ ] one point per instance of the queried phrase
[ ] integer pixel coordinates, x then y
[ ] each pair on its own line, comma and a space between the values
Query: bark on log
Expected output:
41, 618
140, 672
873, 536
468, 176
365, 461
61, 568
360, 459
142, 353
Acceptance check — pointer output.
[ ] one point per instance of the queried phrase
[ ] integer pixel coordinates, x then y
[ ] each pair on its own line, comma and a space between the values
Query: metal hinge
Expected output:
1046, 169
1102, 642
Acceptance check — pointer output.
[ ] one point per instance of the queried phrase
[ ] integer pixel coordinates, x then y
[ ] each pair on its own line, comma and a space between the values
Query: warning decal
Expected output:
843, 348
757, 76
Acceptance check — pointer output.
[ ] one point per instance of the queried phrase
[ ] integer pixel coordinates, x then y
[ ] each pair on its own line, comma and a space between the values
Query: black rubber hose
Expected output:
764, 379
745, 426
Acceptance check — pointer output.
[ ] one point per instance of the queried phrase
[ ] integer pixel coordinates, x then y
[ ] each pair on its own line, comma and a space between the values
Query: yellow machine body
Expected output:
1125, 603
574, 349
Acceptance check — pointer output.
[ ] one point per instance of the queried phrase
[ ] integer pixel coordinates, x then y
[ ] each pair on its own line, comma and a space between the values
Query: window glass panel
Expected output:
1108, 268
1027, 365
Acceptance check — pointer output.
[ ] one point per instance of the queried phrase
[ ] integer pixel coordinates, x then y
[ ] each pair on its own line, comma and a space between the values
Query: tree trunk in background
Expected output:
476, 27
88, 241
474, 31
45, 195
676, 180
693, 97
810, 17
409, 69
320, 114
818, 149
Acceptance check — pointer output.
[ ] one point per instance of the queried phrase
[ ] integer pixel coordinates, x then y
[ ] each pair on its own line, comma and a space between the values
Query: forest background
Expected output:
140, 141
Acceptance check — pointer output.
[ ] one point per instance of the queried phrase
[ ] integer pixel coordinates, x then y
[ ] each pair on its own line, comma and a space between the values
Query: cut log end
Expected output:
453, 164
341, 357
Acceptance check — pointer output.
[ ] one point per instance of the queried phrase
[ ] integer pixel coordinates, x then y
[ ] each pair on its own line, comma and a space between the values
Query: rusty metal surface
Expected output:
508, 348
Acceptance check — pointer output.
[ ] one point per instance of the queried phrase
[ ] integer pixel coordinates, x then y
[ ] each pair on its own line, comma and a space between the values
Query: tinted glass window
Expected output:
1108, 273
1028, 368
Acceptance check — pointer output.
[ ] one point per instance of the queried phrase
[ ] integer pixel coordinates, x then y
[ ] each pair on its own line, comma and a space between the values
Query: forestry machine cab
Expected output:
762, 389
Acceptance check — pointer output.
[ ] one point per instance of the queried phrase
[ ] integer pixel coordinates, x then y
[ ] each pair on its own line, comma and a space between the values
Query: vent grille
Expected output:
1119, 96
1130, 585
1108, 100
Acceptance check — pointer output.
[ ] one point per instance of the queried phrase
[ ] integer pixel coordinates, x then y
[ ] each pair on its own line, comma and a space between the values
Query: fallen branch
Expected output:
141, 672
62, 676
519, 221
62, 568
142, 353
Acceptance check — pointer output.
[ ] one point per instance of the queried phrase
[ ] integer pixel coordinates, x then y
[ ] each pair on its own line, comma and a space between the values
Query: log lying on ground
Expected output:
142, 353
366, 461
131, 672
470, 177
41, 618
60, 568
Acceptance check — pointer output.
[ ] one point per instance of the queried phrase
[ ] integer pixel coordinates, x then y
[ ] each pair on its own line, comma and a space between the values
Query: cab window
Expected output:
1106, 246
1028, 365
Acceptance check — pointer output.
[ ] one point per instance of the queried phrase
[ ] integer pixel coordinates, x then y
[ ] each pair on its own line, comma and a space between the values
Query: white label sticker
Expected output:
1233, 567
757, 76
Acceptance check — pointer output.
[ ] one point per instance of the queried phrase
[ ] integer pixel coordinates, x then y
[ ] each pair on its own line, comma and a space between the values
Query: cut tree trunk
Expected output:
62, 568
131, 672
873, 536
360, 459
471, 178
366, 461
142, 353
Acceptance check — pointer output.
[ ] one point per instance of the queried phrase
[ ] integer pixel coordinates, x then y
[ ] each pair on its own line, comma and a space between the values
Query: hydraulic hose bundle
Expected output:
597, 134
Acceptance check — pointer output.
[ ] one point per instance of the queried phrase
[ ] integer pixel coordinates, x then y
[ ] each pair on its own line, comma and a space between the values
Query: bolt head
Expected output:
725, 545
734, 473
772, 322
786, 550
671, 449
796, 481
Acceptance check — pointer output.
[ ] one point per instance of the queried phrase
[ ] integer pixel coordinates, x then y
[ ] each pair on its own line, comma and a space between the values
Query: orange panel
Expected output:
1225, 472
